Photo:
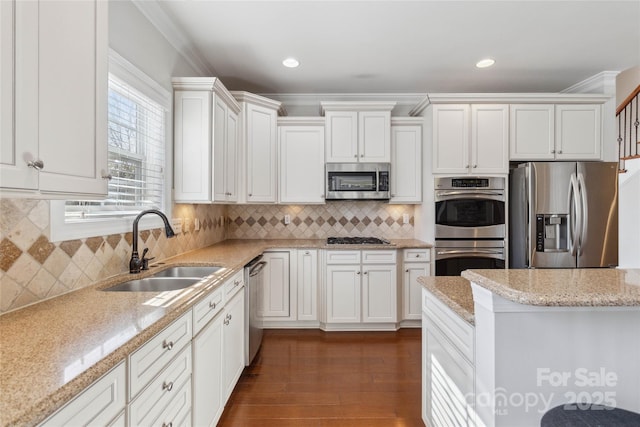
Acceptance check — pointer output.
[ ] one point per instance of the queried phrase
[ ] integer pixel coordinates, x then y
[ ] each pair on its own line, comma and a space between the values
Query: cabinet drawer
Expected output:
343, 257
149, 359
147, 408
416, 255
233, 285
99, 404
459, 332
378, 257
207, 309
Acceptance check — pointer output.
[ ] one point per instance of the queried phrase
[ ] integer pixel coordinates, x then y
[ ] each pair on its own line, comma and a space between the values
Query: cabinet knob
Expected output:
36, 164
393, 195
467, 166
475, 166
250, 194
167, 345
553, 151
355, 155
108, 177
361, 155
167, 386
407, 270
170, 424
358, 273
559, 151
365, 272
306, 252
417, 255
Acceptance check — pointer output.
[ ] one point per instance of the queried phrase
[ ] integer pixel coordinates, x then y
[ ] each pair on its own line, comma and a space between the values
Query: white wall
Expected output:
629, 186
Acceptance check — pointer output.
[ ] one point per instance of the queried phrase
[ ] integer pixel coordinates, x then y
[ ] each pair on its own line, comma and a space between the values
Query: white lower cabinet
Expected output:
232, 342
101, 404
415, 264
448, 371
361, 287
276, 303
208, 401
167, 398
307, 284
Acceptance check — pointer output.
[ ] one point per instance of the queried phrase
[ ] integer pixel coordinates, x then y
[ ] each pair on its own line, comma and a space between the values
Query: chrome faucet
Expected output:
136, 264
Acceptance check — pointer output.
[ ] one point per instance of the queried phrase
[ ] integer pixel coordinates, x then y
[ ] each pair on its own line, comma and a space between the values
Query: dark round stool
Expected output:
574, 415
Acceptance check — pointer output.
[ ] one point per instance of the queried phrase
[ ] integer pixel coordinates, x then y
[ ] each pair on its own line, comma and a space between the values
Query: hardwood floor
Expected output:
316, 378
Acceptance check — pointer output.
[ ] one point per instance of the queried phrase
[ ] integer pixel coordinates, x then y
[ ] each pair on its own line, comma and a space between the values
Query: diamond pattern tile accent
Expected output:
41, 249
9, 253
262, 221
70, 246
94, 243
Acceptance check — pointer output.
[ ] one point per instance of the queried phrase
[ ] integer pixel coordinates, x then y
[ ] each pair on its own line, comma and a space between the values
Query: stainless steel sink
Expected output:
154, 284
196, 271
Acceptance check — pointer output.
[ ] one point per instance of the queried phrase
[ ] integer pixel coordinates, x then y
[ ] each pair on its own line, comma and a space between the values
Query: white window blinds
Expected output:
136, 157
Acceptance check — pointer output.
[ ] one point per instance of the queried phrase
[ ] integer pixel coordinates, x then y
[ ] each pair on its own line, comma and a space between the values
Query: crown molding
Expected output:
301, 121
406, 121
174, 35
213, 84
604, 82
291, 100
243, 96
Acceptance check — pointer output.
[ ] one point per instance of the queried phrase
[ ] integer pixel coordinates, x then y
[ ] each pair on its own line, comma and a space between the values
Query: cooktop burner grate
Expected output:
356, 241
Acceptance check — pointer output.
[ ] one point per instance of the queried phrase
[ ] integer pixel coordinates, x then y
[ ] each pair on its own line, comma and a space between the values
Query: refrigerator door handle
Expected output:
576, 222
583, 213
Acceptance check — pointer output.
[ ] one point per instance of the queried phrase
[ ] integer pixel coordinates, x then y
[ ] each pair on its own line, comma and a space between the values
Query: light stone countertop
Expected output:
453, 291
51, 351
589, 287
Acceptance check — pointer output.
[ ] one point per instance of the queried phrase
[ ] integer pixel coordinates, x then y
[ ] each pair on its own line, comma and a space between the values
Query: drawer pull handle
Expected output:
212, 304
167, 424
236, 282
167, 345
167, 386
417, 255
36, 164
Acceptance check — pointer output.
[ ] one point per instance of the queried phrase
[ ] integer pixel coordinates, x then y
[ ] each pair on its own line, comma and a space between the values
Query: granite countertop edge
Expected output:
431, 285
34, 412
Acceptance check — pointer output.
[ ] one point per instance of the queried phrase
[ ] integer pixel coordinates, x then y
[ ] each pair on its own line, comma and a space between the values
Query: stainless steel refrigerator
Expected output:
563, 215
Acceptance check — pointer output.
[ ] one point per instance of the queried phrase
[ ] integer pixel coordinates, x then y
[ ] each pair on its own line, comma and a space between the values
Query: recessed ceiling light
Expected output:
290, 63
484, 63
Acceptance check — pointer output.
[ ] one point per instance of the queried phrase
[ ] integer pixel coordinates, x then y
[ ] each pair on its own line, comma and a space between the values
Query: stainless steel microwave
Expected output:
357, 181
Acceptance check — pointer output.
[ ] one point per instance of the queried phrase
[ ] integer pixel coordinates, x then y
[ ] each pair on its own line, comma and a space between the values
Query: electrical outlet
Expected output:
186, 224
176, 224
196, 224
405, 218
287, 219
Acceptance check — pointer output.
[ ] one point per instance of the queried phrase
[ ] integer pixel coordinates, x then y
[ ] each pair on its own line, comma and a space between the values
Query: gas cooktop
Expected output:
357, 241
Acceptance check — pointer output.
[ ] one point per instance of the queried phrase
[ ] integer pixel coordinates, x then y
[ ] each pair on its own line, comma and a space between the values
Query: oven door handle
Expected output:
472, 253
453, 195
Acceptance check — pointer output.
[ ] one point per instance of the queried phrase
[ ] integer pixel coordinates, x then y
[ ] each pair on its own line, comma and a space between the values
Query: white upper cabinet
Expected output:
406, 160
54, 120
470, 139
556, 132
358, 132
205, 141
301, 160
258, 148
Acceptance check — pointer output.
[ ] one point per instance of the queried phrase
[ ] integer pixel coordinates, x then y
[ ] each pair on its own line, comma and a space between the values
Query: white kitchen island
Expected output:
534, 339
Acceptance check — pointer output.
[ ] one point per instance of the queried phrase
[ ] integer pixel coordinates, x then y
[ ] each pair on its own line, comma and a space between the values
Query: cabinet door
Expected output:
192, 146
448, 381
578, 132
99, 404
489, 139
412, 290
342, 136
379, 293
451, 138
233, 342
277, 290
301, 164
261, 138
307, 279
219, 150
231, 164
531, 132
406, 164
343, 293
374, 136
207, 374
60, 97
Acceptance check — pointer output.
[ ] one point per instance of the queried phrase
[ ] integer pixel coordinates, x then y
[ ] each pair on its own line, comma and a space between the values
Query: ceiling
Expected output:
404, 46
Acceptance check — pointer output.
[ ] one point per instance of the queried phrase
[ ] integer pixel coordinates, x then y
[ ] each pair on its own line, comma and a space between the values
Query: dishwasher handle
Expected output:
257, 268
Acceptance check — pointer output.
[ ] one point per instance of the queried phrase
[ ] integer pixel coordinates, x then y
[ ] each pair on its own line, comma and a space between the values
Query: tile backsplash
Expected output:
33, 269
348, 218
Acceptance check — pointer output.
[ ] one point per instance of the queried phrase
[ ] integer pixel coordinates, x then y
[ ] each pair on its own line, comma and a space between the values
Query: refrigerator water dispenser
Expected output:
552, 231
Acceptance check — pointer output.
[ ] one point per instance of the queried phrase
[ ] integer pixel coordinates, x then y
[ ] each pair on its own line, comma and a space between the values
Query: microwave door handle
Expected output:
377, 179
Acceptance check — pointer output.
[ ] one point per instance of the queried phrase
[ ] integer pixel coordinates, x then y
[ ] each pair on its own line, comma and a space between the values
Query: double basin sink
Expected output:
171, 279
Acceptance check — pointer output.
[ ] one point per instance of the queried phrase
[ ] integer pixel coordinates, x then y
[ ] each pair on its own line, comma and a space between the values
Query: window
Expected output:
137, 125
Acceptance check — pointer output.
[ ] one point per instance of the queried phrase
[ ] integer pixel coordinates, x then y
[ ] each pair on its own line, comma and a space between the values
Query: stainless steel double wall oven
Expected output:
470, 224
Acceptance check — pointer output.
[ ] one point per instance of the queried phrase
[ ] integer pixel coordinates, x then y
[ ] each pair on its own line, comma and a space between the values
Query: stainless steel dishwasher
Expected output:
253, 277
